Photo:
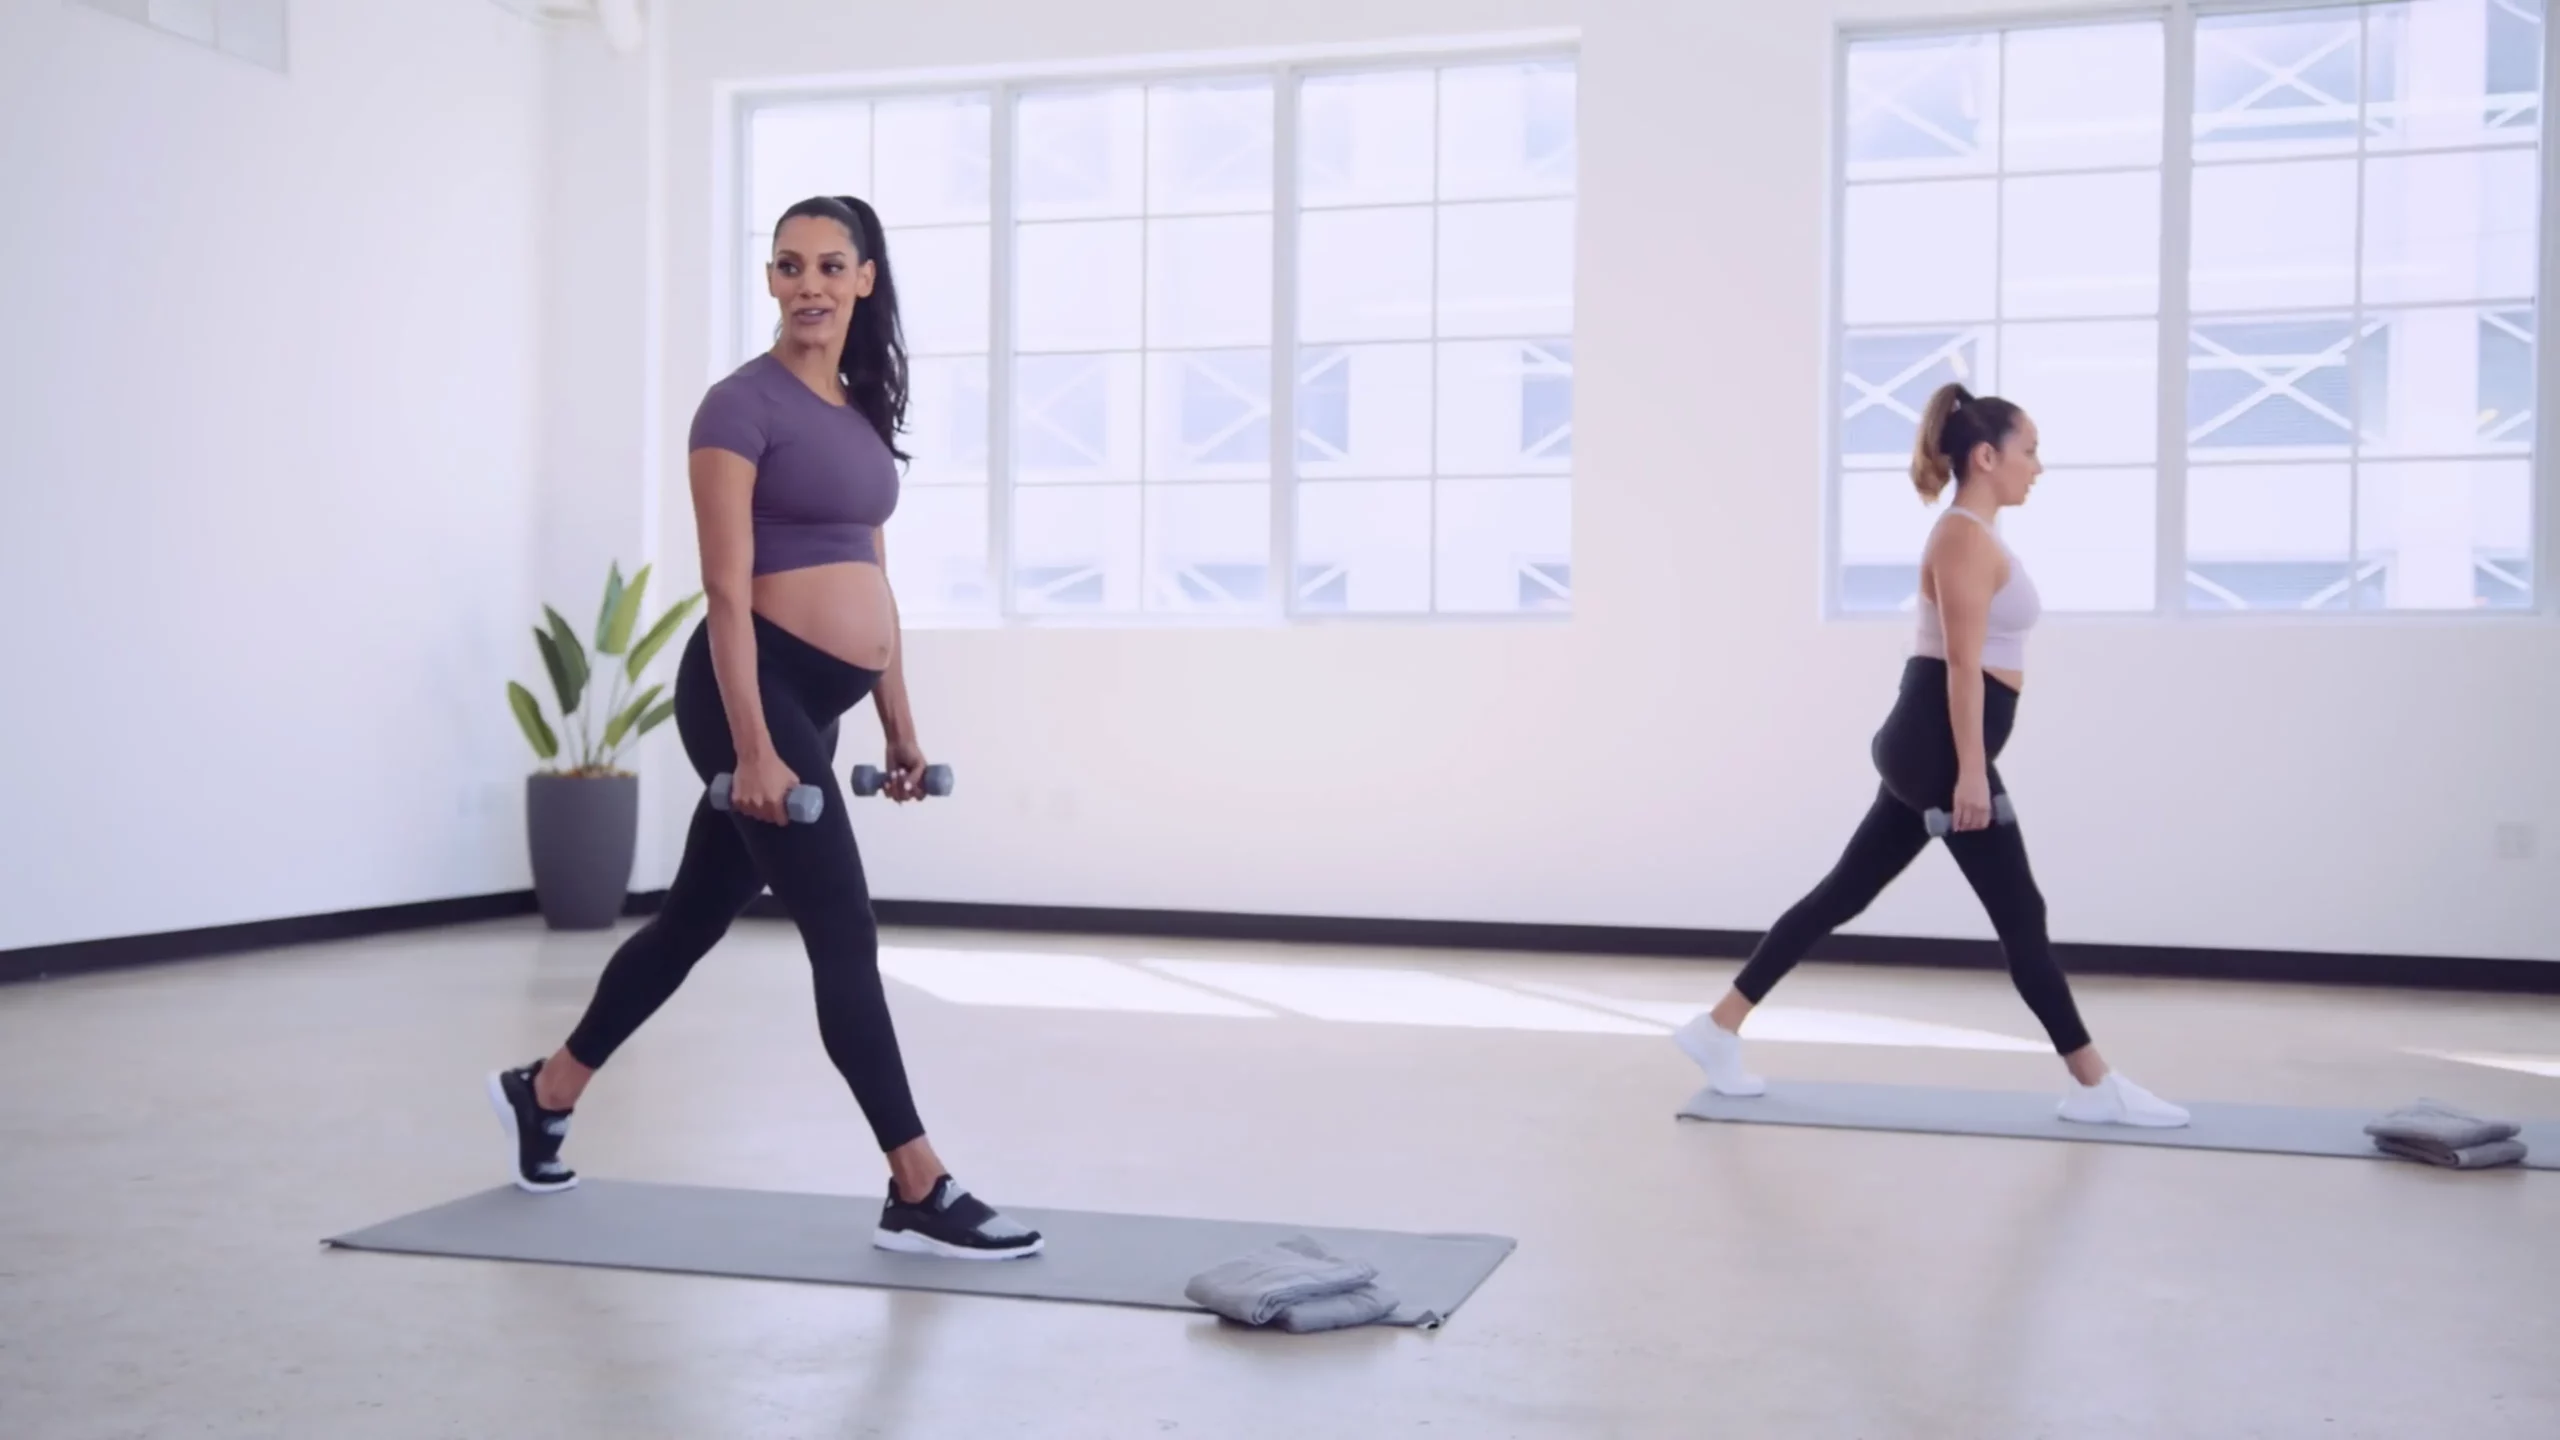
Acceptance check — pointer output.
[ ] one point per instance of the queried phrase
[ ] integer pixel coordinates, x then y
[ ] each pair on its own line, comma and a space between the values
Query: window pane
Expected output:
2282, 83
1883, 526
1491, 392
1364, 275
2506, 378
2083, 96
2446, 535
1506, 130
1208, 547
1886, 378
2453, 72
1209, 147
2262, 389
1923, 107
2093, 389
1506, 269
938, 551
1209, 281
1920, 253
1505, 545
2090, 538
2268, 537
942, 280
2451, 227
1209, 415
1364, 411
947, 421
1078, 153
1077, 418
2445, 382
1076, 548
2081, 245
1366, 139
1364, 547
1078, 286
794, 152
933, 159
2274, 235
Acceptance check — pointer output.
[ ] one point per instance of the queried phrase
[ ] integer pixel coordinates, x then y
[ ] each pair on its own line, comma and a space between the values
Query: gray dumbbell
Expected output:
804, 804
868, 779
2002, 813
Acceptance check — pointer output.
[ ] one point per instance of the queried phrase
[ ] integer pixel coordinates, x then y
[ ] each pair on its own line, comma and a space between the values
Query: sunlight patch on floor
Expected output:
2546, 1066
1788, 1025
1051, 982
1371, 995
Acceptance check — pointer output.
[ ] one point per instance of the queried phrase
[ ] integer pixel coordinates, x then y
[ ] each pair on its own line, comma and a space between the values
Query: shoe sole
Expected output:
2133, 1121
908, 1242
515, 1142
1698, 1057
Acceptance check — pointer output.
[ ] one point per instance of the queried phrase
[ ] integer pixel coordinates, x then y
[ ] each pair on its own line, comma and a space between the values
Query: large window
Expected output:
2266, 277
1283, 342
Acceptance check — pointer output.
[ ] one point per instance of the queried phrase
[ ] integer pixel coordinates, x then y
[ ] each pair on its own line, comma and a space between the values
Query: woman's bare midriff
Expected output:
2014, 679
843, 609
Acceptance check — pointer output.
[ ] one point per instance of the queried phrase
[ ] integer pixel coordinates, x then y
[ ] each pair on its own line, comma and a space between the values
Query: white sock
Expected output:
1718, 1051
2118, 1101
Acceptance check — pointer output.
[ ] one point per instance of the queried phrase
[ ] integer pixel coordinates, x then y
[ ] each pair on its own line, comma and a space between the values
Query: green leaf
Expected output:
604, 617
654, 719
621, 724
529, 715
659, 634
616, 636
573, 662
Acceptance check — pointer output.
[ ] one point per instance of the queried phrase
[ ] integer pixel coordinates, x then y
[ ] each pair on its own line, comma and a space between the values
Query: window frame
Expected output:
2174, 317
1286, 68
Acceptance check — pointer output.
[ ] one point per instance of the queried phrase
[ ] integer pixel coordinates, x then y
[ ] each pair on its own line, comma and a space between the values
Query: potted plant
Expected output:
582, 811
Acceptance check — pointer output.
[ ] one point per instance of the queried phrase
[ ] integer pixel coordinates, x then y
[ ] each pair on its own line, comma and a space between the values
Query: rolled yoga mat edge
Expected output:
1089, 1257
2029, 1115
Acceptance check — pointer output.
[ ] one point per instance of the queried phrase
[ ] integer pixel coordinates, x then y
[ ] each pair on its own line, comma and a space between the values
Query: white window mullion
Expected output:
1000, 271
1284, 342
2177, 241
2546, 474
1834, 426
2356, 335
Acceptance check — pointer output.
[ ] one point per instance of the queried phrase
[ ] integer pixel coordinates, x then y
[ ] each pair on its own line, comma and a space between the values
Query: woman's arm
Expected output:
897, 722
723, 493
1966, 566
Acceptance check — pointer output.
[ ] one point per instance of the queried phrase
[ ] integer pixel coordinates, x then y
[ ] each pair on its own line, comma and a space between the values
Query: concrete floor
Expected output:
178, 1140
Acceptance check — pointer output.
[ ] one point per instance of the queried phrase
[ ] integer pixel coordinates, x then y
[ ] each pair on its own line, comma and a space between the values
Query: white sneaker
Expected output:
1718, 1051
2118, 1101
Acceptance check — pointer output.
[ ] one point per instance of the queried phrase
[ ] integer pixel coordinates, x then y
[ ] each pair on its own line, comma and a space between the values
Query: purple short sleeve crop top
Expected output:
825, 481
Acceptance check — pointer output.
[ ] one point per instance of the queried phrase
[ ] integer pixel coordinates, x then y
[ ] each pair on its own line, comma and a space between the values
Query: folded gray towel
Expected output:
2434, 1123
2456, 1157
1296, 1285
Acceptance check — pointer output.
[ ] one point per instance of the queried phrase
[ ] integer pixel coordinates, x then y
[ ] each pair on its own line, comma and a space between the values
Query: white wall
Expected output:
1691, 750
271, 388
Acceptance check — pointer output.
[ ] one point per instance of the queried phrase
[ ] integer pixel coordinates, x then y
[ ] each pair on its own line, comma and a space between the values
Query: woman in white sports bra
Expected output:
1934, 753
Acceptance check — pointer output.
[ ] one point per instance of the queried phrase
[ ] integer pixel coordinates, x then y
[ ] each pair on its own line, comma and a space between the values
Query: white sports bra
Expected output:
2014, 608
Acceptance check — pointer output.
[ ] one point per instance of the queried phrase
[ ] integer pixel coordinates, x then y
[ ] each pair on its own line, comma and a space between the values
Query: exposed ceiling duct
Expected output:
622, 21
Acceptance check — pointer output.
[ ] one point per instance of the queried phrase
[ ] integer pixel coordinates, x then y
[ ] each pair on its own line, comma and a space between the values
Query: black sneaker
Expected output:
537, 1132
952, 1223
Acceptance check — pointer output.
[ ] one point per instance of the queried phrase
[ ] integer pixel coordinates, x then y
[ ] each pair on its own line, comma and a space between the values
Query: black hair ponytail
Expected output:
873, 365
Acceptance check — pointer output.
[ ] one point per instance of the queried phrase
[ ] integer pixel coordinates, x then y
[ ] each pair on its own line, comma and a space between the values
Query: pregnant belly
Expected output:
843, 609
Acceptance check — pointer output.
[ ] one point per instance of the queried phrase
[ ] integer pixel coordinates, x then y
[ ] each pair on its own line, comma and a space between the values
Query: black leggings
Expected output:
814, 870
1915, 753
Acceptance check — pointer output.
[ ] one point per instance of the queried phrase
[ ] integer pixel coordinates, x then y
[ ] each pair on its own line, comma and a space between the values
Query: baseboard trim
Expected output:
123, 952
2417, 972
2413, 972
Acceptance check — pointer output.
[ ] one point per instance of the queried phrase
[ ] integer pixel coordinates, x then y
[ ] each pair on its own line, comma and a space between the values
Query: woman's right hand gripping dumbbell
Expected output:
760, 787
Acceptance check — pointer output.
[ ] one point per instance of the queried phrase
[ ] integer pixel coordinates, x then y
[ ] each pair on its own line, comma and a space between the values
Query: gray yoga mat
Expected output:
1142, 1260
2028, 1115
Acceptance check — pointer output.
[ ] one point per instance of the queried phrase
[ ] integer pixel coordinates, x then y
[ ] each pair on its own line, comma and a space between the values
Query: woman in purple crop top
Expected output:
794, 469
1934, 755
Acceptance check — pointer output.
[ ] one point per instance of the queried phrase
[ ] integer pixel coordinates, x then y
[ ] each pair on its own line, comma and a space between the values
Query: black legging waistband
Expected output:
1915, 749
